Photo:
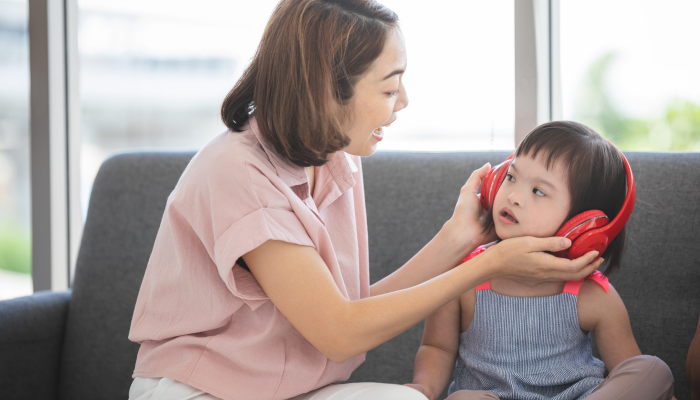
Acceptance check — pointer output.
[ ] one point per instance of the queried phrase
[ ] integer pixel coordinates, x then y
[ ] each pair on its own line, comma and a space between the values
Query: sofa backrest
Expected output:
409, 196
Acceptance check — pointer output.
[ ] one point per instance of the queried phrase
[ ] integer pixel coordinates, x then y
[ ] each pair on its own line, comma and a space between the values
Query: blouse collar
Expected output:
333, 178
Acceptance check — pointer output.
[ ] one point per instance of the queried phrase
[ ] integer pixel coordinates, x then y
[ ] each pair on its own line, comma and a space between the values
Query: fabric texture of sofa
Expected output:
73, 345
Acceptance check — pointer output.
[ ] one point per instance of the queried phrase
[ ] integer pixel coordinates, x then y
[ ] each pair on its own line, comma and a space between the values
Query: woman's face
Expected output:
379, 95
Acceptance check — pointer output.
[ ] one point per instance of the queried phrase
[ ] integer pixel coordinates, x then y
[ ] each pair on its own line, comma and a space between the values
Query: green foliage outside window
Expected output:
15, 248
677, 129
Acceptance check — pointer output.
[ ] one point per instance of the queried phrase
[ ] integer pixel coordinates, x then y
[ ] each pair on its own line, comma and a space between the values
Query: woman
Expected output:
258, 284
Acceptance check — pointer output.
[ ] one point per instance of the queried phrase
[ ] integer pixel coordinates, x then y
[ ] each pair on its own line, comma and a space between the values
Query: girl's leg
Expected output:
363, 391
639, 378
472, 395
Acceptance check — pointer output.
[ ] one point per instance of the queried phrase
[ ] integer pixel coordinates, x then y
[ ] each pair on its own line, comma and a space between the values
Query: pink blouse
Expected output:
202, 319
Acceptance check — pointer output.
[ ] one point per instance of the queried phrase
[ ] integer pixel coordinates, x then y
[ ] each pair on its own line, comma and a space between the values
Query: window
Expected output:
153, 73
630, 70
460, 78
15, 218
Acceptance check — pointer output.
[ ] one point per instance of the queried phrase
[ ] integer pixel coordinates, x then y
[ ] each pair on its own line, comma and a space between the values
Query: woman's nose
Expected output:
402, 101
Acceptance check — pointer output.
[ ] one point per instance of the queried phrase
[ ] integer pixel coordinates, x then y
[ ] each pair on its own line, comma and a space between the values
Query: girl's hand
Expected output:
524, 258
465, 223
419, 388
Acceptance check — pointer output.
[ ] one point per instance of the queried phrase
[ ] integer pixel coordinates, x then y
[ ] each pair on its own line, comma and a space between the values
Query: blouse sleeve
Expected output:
234, 207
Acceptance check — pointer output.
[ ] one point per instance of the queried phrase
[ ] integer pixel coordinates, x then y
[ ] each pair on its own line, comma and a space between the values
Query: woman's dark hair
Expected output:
310, 57
597, 177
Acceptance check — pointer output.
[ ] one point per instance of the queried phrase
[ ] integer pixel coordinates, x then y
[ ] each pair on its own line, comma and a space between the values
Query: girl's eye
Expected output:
538, 192
394, 93
510, 177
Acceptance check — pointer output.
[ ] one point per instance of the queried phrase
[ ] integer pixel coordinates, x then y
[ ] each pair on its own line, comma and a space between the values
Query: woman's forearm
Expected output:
298, 283
388, 315
442, 253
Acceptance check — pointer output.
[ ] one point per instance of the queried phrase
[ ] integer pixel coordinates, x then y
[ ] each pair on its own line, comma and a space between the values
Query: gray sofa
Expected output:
73, 345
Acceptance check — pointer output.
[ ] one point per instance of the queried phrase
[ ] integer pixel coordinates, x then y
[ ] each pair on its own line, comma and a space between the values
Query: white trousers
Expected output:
169, 389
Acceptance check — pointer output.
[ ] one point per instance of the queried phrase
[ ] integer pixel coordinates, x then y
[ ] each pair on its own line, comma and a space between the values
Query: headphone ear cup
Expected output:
580, 224
486, 188
492, 182
500, 177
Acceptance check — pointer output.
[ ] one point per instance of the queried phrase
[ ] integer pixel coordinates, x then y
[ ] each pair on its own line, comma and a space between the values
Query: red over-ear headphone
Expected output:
587, 231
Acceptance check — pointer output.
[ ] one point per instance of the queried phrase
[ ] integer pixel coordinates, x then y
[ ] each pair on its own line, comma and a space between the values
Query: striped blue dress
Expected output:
527, 348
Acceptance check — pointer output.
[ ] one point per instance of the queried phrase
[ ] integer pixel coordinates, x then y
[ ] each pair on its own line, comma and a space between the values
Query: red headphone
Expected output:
587, 231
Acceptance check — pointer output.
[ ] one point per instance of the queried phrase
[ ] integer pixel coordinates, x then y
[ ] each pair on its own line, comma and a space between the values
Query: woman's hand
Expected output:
465, 224
524, 258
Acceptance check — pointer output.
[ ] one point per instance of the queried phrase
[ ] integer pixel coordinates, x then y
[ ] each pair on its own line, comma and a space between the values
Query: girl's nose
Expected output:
514, 199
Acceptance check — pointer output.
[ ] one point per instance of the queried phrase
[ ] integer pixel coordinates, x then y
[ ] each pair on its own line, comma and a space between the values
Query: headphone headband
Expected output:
625, 212
598, 239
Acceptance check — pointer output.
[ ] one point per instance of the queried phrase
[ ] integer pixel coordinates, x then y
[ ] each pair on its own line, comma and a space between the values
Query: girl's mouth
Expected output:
506, 216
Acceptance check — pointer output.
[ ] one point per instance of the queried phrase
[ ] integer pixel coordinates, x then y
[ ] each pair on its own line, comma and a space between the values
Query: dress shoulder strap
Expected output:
475, 253
573, 287
486, 285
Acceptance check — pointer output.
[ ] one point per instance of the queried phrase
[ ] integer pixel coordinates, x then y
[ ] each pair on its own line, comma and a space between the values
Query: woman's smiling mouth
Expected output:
507, 217
379, 132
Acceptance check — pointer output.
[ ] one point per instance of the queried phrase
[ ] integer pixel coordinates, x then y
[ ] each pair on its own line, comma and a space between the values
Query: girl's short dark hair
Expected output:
597, 177
304, 72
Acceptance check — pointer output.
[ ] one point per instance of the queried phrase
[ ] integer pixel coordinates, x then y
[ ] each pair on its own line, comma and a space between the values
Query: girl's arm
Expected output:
436, 356
605, 315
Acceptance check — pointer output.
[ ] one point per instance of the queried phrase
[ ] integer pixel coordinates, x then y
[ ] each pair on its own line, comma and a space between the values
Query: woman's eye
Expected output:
538, 192
394, 93
510, 177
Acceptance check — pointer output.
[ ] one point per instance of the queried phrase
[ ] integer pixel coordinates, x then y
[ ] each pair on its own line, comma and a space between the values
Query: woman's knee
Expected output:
472, 395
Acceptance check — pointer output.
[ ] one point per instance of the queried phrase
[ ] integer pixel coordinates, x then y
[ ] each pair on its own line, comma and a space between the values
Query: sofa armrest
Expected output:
31, 337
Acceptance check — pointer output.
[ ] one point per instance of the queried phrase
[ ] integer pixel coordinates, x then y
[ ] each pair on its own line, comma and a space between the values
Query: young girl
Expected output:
514, 339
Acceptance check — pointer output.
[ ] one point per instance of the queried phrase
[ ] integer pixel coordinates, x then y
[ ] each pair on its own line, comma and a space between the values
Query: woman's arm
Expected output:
299, 284
605, 315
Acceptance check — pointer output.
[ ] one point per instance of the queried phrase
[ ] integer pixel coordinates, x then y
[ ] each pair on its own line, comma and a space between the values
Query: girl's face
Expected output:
379, 95
532, 201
